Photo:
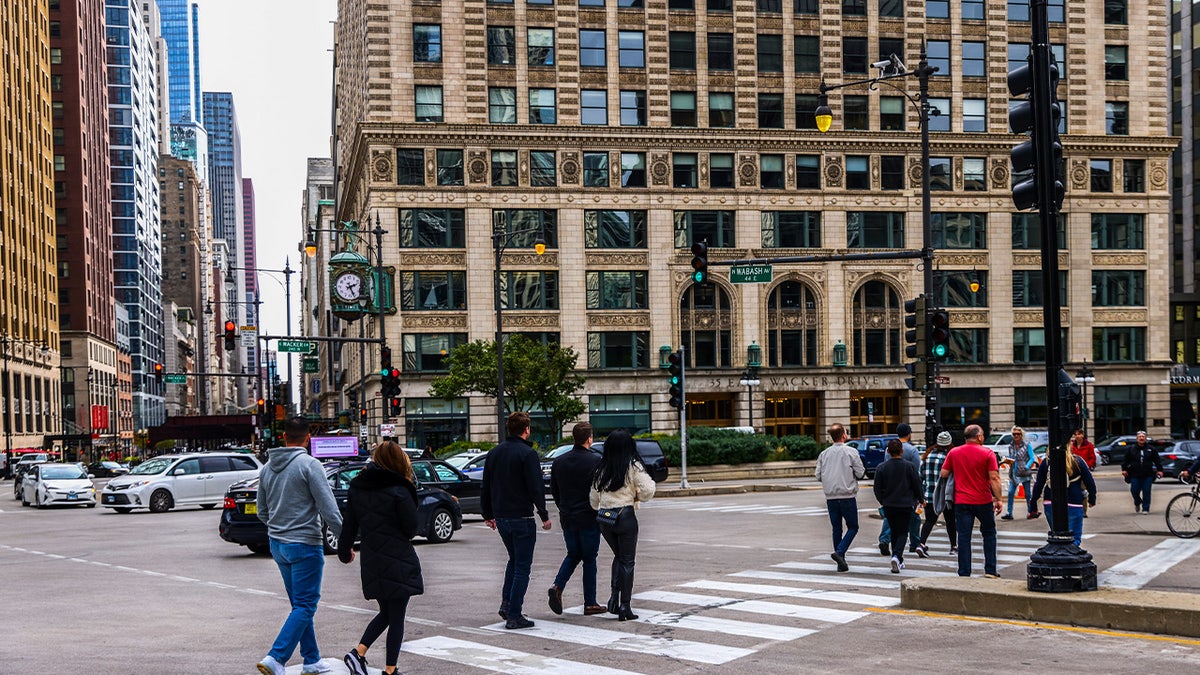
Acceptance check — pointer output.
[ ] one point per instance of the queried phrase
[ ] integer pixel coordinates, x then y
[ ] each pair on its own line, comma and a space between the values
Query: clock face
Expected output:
348, 286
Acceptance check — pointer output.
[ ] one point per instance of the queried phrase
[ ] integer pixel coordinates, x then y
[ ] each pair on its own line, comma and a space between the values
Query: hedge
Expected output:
708, 446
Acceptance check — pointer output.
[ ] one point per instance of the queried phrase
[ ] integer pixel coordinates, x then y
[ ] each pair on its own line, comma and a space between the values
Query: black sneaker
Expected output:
921, 551
355, 663
518, 622
1007, 516
885, 548
503, 611
555, 600
841, 561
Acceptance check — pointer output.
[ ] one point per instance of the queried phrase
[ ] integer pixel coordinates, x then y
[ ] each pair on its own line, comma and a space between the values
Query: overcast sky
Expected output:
275, 57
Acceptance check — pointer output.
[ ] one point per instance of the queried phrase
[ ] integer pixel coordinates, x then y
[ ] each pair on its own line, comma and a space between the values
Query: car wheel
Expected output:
24, 502
208, 506
37, 500
259, 549
329, 540
441, 527
123, 510
161, 501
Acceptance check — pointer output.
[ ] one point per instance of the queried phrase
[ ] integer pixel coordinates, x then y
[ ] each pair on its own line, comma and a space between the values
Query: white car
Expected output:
46, 484
162, 483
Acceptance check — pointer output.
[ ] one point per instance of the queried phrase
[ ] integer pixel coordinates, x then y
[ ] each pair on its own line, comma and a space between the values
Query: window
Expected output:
410, 166
502, 105
974, 59
874, 229
974, 115
939, 114
1029, 346
858, 172
720, 5
1116, 12
805, 6
1118, 288
720, 51
891, 172
1027, 232
1018, 10
1111, 345
618, 350
528, 223
616, 290
540, 48
891, 113
1116, 118
614, 229
683, 51
633, 108
854, 55
1056, 11
857, 112
938, 52
702, 308
449, 167
427, 43
791, 229
854, 7
940, 174
504, 167
629, 3
891, 8
593, 107
433, 290
1101, 175
968, 345
770, 111
877, 325
972, 9
631, 49
424, 353
959, 230
633, 169
770, 172
806, 108
720, 170
428, 104
683, 170
807, 54
714, 227
1115, 66
1134, 178
808, 172
432, 228
595, 169
591, 3
529, 290
683, 108
720, 110
775, 6
770, 53
542, 171
502, 46
953, 288
592, 49
974, 174
541, 107
937, 9
1117, 231
1029, 291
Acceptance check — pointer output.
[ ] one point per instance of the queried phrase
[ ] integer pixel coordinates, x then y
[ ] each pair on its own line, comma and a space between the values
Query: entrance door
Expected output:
792, 414
874, 412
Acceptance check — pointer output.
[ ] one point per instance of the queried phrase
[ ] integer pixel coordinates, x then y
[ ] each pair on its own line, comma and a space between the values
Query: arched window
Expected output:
877, 319
792, 320
707, 320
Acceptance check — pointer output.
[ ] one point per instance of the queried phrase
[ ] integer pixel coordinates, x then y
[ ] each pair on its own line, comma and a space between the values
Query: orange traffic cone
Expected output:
1021, 491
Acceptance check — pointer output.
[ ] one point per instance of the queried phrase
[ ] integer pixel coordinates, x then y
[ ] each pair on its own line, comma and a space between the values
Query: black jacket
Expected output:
570, 484
382, 508
898, 484
512, 482
1141, 461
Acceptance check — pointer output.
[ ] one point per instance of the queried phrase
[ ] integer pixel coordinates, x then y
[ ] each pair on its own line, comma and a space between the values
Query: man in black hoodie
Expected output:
512, 490
570, 484
898, 489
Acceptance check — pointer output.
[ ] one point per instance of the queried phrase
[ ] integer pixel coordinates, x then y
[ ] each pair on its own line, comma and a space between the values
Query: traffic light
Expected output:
262, 410
1070, 408
394, 405
699, 262
230, 336
675, 379
158, 372
915, 316
938, 341
362, 415
1028, 117
389, 382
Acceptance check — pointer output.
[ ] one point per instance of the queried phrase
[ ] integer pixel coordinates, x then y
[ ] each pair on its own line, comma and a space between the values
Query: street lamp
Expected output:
501, 238
750, 376
1085, 376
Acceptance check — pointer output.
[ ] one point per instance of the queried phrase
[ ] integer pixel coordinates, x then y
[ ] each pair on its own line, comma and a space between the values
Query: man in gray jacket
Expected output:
839, 468
293, 497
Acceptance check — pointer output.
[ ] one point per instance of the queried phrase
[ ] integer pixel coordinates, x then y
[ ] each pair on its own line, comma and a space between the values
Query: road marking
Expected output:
755, 606
792, 592
1142, 568
1046, 626
789, 550
55, 556
217, 584
711, 624
348, 608
840, 579
424, 622
822, 567
868, 556
686, 650
498, 659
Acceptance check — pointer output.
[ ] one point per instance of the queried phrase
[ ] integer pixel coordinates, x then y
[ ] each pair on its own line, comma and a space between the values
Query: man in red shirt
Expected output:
976, 496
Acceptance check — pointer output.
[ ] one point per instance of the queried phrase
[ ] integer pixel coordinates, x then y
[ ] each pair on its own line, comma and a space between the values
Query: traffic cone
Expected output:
1021, 491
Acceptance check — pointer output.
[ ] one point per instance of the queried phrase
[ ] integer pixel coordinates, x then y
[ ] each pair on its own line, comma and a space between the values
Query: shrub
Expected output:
462, 446
800, 447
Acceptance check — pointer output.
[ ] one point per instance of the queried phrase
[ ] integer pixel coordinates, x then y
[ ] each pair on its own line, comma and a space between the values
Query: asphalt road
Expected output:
732, 583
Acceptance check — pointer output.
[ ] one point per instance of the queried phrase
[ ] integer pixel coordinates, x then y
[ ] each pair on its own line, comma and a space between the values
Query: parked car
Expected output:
438, 473
1000, 442
872, 450
1179, 457
1111, 450
52, 483
438, 512
648, 450
164, 482
107, 469
470, 462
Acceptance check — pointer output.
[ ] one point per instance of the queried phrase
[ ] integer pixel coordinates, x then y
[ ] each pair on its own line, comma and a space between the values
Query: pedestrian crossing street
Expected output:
709, 621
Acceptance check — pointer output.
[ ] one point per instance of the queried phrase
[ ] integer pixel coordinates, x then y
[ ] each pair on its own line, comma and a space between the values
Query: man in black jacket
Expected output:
570, 484
512, 489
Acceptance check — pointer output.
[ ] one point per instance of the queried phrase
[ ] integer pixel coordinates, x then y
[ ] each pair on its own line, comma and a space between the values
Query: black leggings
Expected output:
622, 539
391, 617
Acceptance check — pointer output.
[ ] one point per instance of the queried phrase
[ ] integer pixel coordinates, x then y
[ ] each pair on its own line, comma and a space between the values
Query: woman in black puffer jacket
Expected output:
382, 509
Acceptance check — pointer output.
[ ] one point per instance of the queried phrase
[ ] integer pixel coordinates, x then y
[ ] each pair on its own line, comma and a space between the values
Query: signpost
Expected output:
750, 274
176, 378
942, 379
386, 430
299, 346
311, 365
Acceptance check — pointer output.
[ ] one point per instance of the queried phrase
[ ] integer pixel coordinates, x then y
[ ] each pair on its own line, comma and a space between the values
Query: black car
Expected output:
438, 513
438, 473
1178, 457
648, 450
107, 469
1113, 450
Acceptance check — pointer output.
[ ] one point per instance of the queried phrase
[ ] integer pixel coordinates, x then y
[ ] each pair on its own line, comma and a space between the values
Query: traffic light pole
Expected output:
683, 481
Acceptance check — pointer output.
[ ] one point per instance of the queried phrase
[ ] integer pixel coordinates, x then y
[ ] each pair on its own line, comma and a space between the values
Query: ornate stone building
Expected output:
626, 130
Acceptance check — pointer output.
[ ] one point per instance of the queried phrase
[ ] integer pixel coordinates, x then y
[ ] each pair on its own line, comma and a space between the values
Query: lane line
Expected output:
1142, 568
498, 659
685, 650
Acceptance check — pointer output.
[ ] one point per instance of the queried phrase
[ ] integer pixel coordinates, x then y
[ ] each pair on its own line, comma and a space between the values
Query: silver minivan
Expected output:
164, 482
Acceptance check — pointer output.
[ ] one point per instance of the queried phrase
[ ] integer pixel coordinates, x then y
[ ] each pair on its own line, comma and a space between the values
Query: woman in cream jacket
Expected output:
621, 482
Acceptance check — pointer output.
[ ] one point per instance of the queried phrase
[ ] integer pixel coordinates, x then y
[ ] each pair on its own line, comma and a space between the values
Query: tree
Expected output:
537, 376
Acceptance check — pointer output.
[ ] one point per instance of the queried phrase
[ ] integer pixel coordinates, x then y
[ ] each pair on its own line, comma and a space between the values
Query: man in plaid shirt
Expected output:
931, 468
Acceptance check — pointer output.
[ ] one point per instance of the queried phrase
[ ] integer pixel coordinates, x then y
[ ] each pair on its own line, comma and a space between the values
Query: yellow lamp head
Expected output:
823, 114
539, 245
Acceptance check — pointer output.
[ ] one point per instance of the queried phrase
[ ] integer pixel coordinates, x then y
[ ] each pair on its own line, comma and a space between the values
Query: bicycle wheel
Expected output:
1183, 515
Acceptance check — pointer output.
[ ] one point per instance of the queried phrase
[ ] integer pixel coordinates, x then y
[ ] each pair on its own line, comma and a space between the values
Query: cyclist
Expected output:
1190, 471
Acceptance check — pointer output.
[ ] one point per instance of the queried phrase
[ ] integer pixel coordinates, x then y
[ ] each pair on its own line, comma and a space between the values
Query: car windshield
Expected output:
992, 439
556, 452
460, 460
151, 467
63, 473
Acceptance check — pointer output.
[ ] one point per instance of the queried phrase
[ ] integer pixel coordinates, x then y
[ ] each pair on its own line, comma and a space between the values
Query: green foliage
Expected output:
800, 447
708, 446
462, 446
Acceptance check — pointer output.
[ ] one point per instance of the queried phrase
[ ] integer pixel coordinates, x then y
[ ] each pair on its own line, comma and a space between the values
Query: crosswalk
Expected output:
725, 507
707, 621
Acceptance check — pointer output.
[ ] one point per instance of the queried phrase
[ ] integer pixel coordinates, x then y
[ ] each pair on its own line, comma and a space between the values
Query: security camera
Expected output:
882, 65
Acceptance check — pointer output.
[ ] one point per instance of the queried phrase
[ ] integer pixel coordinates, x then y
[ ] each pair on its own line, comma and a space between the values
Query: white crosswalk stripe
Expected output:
790, 592
761, 631
756, 606
685, 650
500, 660
839, 580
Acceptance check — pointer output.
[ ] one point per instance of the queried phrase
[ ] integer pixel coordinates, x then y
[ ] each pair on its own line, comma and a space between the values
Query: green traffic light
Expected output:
674, 379
939, 351
384, 372
699, 276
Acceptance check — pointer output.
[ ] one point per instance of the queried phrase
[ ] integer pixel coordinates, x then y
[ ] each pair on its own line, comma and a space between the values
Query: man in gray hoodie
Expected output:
293, 497
839, 468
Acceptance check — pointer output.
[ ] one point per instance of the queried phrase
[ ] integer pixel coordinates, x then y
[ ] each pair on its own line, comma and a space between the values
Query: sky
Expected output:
275, 57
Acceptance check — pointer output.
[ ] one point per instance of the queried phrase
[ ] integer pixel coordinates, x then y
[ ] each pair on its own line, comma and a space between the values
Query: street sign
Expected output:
362, 431
750, 274
300, 346
248, 339
942, 379
311, 365
249, 329
387, 429
176, 378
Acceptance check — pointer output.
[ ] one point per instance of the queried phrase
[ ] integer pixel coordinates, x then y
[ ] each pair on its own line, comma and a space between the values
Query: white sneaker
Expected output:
896, 565
316, 668
269, 666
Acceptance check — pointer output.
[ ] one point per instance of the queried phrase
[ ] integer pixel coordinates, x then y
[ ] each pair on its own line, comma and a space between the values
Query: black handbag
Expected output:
609, 516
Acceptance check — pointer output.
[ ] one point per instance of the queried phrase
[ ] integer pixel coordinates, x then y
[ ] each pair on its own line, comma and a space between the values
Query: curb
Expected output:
709, 490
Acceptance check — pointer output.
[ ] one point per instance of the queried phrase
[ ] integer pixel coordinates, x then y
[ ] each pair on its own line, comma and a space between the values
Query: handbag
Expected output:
609, 516
943, 494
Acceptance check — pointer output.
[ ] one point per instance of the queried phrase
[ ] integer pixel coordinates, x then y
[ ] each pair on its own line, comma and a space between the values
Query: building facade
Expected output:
320, 394
625, 134
185, 278
249, 277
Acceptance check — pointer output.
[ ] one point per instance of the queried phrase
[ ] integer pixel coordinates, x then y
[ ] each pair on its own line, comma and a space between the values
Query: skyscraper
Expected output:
250, 261
181, 31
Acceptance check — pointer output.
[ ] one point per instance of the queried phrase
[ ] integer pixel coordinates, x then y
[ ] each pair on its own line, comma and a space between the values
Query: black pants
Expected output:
391, 617
622, 539
897, 518
931, 519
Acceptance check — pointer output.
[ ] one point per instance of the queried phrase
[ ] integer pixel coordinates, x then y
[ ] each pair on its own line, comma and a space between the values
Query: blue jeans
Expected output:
965, 516
582, 547
1012, 492
301, 566
1074, 519
519, 536
914, 530
1140, 489
839, 510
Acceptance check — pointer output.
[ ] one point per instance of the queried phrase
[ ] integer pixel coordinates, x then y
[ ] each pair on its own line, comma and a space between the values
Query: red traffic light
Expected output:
230, 326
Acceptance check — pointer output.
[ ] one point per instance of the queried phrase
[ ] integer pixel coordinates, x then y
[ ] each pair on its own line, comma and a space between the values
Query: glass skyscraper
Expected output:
181, 30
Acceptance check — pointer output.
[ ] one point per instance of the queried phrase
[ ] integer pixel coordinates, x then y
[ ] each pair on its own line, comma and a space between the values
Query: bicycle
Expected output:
1183, 513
